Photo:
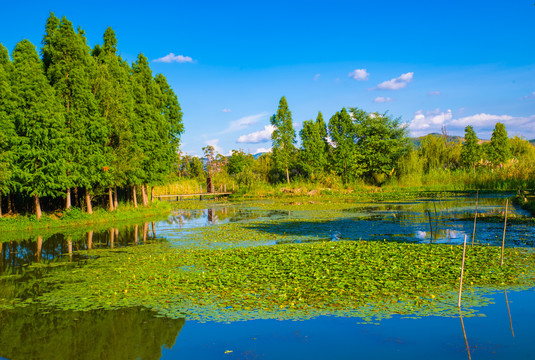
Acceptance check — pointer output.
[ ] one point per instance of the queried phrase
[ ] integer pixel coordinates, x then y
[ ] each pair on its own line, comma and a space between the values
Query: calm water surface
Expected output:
503, 330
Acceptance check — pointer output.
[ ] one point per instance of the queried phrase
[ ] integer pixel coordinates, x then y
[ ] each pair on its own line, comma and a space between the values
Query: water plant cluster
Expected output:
367, 279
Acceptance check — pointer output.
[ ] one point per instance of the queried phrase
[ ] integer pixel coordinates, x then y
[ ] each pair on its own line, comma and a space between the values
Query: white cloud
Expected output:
397, 83
480, 120
171, 58
215, 144
317, 76
257, 136
243, 123
226, 110
381, 99
434, 93
431, 121
359, 74
530, 96
262, 150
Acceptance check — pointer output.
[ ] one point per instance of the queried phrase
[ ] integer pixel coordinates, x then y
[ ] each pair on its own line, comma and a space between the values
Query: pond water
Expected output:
501, 327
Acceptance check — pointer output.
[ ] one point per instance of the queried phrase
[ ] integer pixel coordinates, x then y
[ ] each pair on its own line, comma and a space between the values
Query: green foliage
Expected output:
314, 154
342, 133
380, 141
40, 126
470, 153
240, 165
70, 69
437, 152
283, 138
499, 144
521, 149
8, 137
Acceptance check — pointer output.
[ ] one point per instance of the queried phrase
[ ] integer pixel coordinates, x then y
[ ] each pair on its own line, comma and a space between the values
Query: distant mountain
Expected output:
257, 155
532, 142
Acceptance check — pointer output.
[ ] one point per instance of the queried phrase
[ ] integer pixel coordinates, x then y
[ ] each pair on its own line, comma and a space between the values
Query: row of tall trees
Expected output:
352, 144
357, 145
79, 119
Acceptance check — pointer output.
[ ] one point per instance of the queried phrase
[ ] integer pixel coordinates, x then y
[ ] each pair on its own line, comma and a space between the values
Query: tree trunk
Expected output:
37, 207
144, 193
145, 232
10, 204
135, 234
69, 247
115, 202
110, 197
112, 238
287, 176
134, 195
68, 202
153, 231
88, 201
90, 240
152, 194
39, 247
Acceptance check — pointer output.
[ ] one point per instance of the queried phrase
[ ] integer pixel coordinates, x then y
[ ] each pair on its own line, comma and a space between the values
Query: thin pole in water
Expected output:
475, 219
504, 227
464, 334
509, 311
430, 225
462, 272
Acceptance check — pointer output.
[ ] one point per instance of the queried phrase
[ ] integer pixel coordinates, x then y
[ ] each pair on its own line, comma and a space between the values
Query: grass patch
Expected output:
75, 217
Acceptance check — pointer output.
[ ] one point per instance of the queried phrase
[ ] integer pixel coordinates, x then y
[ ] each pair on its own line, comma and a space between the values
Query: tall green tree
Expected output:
171, 128
470, 152
148, 123
499, 143
8, 137
345, 157
283, 138
315, 150
113, 93
380, 141
70, 71
40, 127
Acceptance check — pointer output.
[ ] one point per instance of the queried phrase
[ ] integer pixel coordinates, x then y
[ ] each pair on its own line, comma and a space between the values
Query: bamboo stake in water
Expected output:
464, 334
462, 272
430, 225
504, 227
509, 311
475, 219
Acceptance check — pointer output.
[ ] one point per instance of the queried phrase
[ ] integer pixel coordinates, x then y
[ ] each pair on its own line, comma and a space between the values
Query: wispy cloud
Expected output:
317, 76
381, 99
262, 150
359, 74
243, 123
530, 96
171, 58
257, 136
397, 83
433, 93
226, 110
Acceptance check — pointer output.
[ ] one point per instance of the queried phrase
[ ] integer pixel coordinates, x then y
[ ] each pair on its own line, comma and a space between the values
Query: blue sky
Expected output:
453, 63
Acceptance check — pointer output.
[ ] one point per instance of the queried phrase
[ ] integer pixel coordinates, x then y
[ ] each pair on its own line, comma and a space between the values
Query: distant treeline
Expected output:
357, 146
79, 123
